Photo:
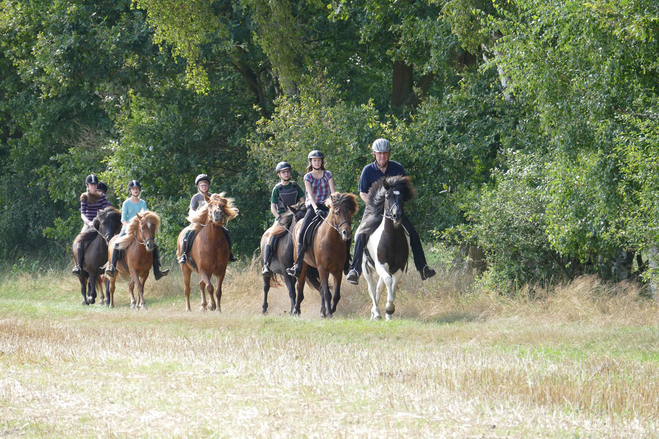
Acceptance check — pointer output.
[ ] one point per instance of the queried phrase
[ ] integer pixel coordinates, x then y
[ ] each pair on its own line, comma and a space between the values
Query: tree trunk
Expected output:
402, 87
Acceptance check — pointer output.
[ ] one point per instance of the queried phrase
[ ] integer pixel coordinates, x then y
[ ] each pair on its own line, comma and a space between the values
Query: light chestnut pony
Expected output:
210, 249
138, 243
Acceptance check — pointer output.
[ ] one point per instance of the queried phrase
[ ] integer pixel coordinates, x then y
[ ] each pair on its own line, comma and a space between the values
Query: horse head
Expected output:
298, 210
108, 222
342, 208
220, 209
398, 190
149, 223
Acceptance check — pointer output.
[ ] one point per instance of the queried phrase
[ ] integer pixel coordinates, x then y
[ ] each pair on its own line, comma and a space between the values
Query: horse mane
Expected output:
134, 224
199, 217
379, 189
376, 197
339, 200
109, 214
296, 211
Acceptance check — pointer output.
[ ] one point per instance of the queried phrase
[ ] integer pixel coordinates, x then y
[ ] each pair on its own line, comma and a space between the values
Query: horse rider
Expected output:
91, 202
131, 207
383, 167
102, 188
203, 184
319, 184
285, 193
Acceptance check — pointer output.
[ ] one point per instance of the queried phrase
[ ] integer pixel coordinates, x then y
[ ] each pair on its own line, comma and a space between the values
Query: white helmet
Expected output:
381, 145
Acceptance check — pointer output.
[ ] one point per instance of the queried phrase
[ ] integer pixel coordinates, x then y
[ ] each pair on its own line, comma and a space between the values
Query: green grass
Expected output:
572, 365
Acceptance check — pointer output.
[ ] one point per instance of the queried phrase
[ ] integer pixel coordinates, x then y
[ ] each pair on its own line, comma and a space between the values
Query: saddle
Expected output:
310, 233
188, 246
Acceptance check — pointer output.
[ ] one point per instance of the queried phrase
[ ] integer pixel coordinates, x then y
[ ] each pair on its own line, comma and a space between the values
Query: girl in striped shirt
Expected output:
90, 203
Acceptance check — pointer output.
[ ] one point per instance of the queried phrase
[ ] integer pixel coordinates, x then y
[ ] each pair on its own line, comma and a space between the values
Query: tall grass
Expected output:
579, 361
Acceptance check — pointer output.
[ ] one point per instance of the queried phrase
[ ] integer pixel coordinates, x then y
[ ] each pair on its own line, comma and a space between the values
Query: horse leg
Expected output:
83, 287
202, 289
131, 287
266, 288
372, 291
325, 295
337, 288
218, 291
300, 292
187, 273
141, 303
107, 292
207, 279
111, 287
290, 284
390, 308
91, 288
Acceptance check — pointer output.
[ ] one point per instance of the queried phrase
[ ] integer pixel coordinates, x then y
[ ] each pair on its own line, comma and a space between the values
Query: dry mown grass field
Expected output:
582, 362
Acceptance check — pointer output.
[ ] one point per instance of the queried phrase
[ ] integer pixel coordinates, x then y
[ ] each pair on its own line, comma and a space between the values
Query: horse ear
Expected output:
139, 216
207, 198
385, 183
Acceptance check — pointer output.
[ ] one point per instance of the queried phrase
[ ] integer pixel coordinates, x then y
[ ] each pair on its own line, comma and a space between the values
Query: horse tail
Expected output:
313, 277
275, 280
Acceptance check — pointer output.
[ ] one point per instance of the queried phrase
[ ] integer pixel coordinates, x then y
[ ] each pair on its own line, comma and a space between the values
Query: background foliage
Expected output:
530, 128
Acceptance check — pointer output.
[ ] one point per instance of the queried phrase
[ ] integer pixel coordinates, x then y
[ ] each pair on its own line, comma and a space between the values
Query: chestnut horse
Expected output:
388, 244
283, 256
210, 249
138, 244
106, 224
327, 250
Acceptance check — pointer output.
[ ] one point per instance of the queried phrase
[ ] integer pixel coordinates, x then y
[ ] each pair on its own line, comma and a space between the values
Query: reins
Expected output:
332, 225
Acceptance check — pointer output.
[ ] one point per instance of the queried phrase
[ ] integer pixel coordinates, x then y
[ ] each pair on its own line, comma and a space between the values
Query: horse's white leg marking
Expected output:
374, 289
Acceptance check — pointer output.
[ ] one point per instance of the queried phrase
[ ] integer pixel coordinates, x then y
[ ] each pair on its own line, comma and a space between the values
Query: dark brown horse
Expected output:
138, 244
210, 249
283, 256
106, 224
388, 244
327, 250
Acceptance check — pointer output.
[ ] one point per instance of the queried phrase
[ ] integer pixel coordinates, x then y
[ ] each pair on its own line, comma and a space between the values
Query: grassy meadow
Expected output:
580, 362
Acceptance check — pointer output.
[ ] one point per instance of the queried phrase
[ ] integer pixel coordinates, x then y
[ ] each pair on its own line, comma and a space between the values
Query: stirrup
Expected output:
76, 271
232, 258
353, 277
266, 271
183, 259
109, 272
294, 271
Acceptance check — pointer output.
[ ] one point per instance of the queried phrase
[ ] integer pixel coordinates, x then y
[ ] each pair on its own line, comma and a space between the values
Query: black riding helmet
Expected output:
102, 187
134, 183
91, 179
315, 154
281, 166
201, 177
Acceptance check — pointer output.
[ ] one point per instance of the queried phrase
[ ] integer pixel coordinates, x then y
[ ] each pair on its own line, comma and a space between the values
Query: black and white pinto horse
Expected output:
387, 249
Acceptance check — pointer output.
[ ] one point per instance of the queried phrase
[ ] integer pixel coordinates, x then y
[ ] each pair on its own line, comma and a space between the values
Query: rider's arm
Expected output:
364, 197
307, 186
330, 182
273, 209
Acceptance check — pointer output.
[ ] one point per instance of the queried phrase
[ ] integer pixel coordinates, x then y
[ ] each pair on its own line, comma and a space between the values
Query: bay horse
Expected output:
327, 250
283, 257
210, 249
106, 224
388, 246
138, 244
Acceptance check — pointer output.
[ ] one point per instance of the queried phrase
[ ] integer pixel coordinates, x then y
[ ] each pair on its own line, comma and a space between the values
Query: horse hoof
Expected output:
84, 302
391, 308
389, 317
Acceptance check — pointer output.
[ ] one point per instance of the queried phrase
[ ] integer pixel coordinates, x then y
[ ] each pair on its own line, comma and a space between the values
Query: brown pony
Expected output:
328, 249
210, 249
138, 244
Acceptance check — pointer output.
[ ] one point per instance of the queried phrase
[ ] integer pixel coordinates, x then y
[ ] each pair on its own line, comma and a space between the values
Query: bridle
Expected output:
337, 228
146, 241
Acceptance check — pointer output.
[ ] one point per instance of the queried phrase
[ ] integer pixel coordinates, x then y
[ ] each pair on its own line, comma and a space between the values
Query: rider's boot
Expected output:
80, 253
427, 272
296, 269
184, 247
109, 272
267, 256
227, 235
